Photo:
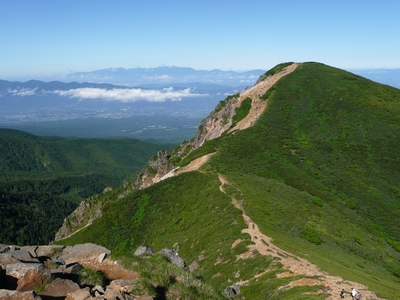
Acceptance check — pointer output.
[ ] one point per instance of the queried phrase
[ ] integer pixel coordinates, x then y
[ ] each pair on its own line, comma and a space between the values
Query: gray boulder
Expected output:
144, 250
19, 270
73, 269
4, 248
60, 288
48, 250
15, 295
81, 252
23, 256
30, 249
6, 259
173, 258
33, 278
232, 291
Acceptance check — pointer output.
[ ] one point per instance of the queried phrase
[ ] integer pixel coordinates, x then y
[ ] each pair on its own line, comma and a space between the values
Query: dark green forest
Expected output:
43, 179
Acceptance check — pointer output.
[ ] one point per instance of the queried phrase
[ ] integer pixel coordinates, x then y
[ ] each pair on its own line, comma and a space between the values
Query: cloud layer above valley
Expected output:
117, 94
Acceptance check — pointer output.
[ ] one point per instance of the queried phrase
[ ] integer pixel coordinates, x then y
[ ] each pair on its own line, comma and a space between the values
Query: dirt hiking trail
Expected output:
294, 264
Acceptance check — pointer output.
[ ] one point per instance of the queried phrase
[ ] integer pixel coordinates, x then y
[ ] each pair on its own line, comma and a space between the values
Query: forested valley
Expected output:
43, 179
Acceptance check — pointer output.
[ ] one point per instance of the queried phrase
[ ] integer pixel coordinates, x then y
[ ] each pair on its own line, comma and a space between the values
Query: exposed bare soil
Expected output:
111, 269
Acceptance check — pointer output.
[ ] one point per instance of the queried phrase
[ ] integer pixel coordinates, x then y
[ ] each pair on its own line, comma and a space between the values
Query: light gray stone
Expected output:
143, 250
101, 257
49, 250
6, 259
31, 250
15, 295
173, 258
99, 289
80, 252
232, 291
23, 256
19, 270
73, 269
4, 293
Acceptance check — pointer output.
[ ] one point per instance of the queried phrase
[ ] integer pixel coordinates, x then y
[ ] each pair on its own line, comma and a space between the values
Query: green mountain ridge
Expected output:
317, 171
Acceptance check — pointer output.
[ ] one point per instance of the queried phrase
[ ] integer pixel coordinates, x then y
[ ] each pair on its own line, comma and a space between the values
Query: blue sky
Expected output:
42, 38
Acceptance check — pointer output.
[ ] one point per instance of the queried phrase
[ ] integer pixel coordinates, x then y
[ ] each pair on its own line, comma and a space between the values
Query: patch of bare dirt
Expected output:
111, 269
195, 164
235, 243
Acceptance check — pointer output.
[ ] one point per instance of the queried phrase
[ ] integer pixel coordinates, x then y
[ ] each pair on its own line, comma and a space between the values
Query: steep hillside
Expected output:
43, 179
288, 185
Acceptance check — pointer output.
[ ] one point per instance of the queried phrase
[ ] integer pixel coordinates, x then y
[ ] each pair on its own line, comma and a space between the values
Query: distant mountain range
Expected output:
385, 76
166, 75
161, 76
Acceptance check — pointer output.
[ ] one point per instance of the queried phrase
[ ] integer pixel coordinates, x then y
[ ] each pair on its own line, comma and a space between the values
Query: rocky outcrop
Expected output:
159, 166
57, 272
88, 210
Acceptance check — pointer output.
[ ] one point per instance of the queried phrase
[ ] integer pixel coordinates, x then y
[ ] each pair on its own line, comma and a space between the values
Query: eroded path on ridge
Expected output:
294, 264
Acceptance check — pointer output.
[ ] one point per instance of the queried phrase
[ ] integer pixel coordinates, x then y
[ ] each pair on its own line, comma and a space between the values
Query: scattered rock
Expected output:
4, 248
144, 250
60, 288
48, 251
23, 256
99, 289
79, 294
21, 278
6, 259
18, 270
15, 295
173, 257
102, 257
122, 284
33, 278
5, 293
76, 253
73, 269
231, 291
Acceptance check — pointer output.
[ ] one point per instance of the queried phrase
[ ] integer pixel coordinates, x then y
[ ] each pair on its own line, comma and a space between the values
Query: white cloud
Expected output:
158, 78
129, 95
22, 92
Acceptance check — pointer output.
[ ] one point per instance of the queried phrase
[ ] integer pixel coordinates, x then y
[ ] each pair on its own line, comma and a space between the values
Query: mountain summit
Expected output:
288, 186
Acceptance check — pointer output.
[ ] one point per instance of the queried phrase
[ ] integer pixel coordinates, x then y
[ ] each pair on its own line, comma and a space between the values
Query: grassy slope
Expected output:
320, 166
317, 173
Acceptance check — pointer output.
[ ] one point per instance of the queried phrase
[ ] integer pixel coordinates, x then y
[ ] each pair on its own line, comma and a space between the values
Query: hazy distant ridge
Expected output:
139, 76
